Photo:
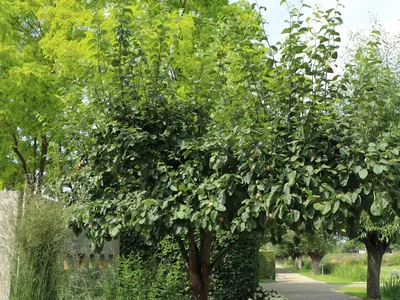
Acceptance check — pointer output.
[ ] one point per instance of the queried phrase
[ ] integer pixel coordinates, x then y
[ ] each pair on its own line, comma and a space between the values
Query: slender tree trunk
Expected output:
299, 262
198, 261
315, 260
293, 257
285, 261
375, 249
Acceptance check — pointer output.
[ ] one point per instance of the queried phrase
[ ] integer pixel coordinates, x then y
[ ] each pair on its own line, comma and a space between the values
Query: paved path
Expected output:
298, 287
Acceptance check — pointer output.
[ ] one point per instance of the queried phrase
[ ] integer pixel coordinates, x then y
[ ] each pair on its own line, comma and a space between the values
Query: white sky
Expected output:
355, 15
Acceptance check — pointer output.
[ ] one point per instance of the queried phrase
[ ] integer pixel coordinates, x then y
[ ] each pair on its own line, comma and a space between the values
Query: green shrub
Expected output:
307, 264
165, 252
262, 294
41, 240
130, 278
267, 265
328, 267
391, 288
237, 276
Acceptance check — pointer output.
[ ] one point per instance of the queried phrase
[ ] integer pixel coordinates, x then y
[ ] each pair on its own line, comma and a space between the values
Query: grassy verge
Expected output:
266, 280
325, 278
359, 292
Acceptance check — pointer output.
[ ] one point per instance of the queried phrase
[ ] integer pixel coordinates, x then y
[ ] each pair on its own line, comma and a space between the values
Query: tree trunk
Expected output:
299, 262
285, 261
198, 261
315, 260
375, 249
293, 257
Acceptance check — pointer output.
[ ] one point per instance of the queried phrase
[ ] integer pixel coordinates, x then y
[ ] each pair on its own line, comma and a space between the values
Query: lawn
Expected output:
359, 292
385, 270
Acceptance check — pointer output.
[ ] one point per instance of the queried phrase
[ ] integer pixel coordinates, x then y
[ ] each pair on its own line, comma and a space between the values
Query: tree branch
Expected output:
182, 250
34, 153
43, 155
207, 239
193, 251
20, 156
224, 253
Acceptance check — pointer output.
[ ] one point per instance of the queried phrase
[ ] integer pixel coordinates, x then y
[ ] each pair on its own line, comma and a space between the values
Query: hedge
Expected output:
237, 276
267, 265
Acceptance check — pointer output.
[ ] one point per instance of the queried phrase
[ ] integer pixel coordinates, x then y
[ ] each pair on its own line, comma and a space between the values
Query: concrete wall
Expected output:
82, 257
8, 205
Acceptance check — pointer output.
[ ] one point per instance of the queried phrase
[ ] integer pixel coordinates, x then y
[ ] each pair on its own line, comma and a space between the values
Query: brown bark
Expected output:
43, 156
199, 270
375, 249
198, 261
315, 260
20, 157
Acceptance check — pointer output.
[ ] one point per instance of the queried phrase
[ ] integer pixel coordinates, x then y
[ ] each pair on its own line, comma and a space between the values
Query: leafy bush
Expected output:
237, 276
262, 294
328, 267
129, 279
267, 265
307, 264
391, 287
165, 252
41, 241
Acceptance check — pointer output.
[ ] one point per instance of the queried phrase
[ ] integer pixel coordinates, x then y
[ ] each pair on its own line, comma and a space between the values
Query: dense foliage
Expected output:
267, 265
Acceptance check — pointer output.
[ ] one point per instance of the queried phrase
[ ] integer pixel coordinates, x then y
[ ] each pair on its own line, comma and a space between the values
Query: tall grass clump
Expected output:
390, 289
352, 272
41, 238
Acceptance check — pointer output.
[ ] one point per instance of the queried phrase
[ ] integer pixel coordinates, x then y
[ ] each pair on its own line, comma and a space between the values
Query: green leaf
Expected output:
296, 215
318, 206
367, 187
326, 209
220, 207
114, 232
291, 178
376, 209
363, 173
378, 169
336, 207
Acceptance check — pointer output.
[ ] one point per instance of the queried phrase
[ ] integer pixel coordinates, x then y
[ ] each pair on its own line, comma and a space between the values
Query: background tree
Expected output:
35, 94
331, 157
